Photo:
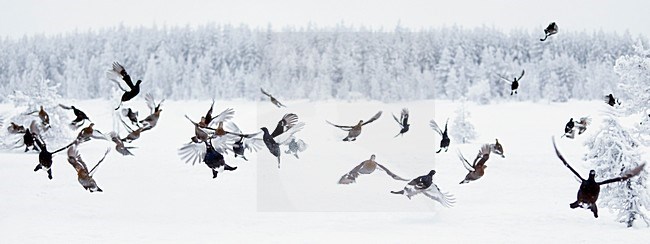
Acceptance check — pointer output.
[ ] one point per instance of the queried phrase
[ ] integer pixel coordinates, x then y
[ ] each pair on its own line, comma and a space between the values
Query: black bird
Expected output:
45, 157
195, 153
273, 100
28, 140
424, 184
80, 115
550, 30
244, 141
133, 116
514, 84
30, 135
273, 142
119, 71
590, 188
444, 143
569, 126
403, 122
611, 100
215, 161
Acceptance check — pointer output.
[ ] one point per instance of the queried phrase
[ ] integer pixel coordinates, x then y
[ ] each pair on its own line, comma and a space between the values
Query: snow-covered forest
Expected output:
226, 62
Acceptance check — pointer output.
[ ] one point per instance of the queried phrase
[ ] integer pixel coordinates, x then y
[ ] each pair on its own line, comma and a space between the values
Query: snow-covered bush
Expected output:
29, 99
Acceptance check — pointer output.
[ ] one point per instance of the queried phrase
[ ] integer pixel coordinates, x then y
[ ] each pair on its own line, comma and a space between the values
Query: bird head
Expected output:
498, 148
265, 130
372, 157
432, 172
137, 83
91, 125
360, 121
592, 174
73, 107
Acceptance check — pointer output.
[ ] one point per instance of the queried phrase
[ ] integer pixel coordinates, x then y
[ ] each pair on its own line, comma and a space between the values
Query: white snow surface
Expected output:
155, 197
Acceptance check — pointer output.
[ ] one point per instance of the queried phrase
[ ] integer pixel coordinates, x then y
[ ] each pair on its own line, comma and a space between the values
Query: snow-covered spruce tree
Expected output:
462, 130
634, 73
612, 152
41, 92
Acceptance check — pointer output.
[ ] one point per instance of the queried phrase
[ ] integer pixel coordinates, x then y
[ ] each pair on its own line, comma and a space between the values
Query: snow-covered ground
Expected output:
155, 197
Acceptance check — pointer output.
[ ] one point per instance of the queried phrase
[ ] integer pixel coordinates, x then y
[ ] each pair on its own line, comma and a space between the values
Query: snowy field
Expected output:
155, 197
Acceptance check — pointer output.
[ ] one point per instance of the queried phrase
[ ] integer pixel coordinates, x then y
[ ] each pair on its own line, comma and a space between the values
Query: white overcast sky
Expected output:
27, 17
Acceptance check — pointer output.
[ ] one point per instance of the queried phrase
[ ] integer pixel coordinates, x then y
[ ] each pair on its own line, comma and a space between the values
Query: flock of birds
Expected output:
214, 136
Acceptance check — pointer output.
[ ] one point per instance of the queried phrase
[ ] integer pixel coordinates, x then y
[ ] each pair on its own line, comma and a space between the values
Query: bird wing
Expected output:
65, 107
398, 121
464, 161
208, 115
302, 146
434, 193
342, 127
285, 137
505, 79
435, 127
232, 129
34, 128
99, 162
253, 144
74, 158
287, 121
414, 182
225, 115
192, 152
565, 162
118, 68
148, 98
220, 144
65, 147
265, 93
404, 114
129, 128
373, 118
351, 176
627, 175
391, 174
98, 135
522, 74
